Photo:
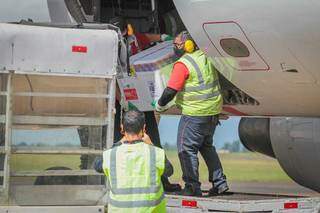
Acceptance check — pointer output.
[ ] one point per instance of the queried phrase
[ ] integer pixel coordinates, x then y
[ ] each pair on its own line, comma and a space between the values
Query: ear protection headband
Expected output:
189, 45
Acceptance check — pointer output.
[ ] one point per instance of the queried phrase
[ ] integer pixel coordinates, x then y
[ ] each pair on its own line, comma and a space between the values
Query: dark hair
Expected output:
133, 121
119, 22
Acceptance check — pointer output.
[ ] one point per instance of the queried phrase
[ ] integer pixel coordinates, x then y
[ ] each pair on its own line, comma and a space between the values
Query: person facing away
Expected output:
133, 169
194, 82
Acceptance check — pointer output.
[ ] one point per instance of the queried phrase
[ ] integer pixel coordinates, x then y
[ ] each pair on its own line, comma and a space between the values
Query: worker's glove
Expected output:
165, 37
159, 108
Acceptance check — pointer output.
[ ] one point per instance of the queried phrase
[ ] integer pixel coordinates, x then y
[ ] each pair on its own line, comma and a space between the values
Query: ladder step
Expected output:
56, 173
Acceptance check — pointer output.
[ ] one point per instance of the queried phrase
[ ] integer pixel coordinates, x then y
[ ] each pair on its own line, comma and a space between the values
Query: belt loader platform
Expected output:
243, 202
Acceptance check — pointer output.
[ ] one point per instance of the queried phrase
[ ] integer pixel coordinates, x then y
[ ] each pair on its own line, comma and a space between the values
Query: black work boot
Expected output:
218, 191
169, 187
191, 191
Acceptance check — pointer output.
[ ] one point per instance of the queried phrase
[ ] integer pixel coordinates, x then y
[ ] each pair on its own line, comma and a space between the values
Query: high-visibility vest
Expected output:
201, 93
133, 173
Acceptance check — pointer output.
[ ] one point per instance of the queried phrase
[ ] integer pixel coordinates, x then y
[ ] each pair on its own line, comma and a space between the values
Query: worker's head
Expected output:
183, 43
121, 23
133, 123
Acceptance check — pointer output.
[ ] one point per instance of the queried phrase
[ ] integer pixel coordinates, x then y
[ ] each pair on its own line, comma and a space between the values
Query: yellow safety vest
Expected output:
201, 94
134, 172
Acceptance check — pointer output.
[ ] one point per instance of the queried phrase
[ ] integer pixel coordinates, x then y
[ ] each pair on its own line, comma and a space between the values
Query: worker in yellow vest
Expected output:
133, 169
136, 43
195, 84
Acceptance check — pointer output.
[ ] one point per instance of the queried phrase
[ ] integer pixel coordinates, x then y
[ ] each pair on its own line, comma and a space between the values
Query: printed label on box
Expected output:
130, 94
151, 88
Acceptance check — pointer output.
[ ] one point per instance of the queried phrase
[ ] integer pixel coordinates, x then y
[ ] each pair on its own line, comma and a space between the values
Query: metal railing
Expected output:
9, 120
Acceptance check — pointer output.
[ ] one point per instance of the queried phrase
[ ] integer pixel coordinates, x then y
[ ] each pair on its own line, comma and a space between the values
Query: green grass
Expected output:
237, 166
42, 162
244, 167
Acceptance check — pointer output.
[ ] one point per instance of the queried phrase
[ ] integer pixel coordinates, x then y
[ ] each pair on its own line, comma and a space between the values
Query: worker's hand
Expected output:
146, 139
165, 37
159, 108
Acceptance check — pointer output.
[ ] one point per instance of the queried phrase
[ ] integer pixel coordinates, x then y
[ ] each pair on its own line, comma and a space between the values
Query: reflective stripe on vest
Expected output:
202, 85
200, 97
196, 67
137, 190
136, 204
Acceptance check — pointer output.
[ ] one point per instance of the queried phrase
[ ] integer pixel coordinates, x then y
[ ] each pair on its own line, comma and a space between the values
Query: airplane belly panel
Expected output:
230, 40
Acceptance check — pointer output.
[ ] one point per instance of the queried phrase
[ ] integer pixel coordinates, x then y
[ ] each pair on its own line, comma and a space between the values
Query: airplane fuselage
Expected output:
268, 49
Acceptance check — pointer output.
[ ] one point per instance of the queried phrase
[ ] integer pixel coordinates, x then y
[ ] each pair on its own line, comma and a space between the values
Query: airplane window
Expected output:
15, 10
234, 47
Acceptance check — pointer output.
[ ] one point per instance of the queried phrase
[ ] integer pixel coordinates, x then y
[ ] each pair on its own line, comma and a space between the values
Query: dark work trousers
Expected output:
152, 131
195, 134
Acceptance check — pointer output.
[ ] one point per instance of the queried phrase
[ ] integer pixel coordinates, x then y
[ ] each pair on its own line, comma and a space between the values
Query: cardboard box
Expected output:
150, 71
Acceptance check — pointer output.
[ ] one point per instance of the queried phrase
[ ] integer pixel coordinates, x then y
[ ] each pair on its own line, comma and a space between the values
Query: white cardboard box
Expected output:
151, 71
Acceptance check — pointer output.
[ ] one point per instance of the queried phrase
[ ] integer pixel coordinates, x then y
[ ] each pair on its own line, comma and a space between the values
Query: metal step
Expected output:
242, 202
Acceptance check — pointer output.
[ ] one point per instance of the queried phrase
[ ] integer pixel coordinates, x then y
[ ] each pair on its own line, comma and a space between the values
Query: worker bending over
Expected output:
194, 82
133, 169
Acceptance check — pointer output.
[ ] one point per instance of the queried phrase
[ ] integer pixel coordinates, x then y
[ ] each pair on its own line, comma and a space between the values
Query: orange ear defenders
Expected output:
130, 30
189, 45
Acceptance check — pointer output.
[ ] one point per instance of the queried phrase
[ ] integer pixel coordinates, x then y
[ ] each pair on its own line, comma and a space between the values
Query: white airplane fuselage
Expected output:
281, 70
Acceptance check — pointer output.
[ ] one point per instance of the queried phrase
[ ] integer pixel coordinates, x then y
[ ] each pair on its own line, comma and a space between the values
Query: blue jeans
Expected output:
196, 134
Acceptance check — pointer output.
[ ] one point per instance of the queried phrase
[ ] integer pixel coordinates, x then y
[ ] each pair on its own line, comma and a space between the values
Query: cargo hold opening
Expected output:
147, 16
152, 16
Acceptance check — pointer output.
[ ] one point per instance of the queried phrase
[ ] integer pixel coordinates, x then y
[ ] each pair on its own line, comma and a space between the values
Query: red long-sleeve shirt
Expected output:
179, 75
